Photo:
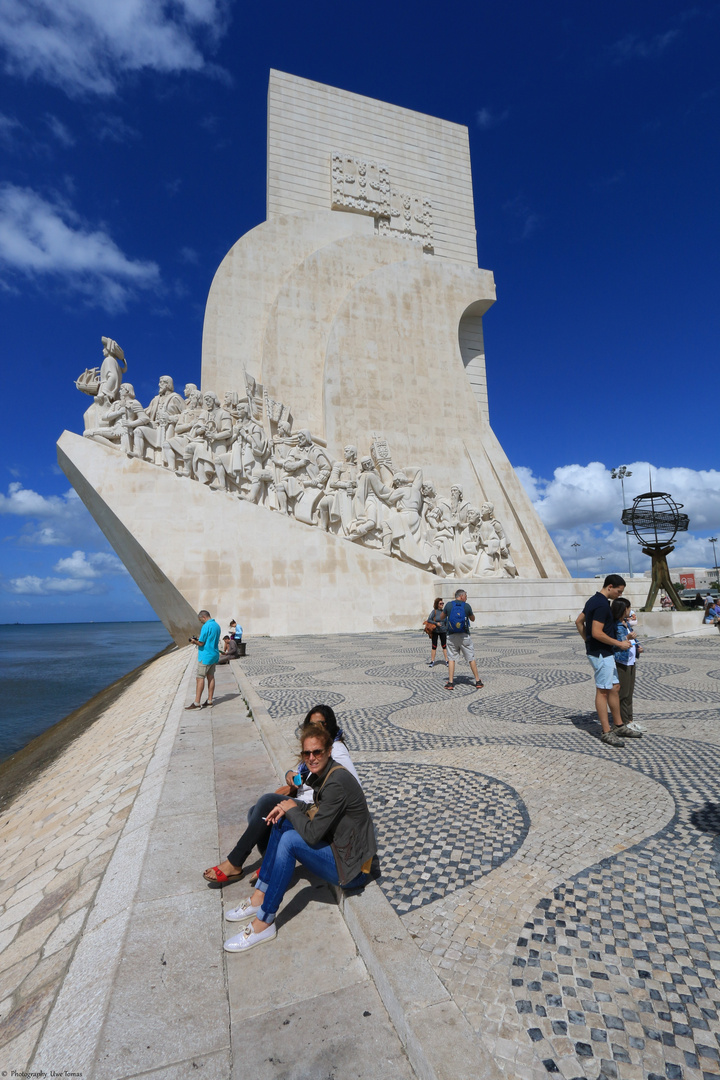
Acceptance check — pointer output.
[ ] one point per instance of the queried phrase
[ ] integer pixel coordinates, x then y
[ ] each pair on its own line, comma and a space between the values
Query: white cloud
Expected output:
30, 585
9, 128
587, 495
486, 118
582, 504
38, 237
632, 46
86, 46
84, 567
111, 128
59, 130
526, 220
51, 520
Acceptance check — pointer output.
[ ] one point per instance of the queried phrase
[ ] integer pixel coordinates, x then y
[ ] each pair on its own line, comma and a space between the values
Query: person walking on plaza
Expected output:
459, 615
596, 626
208, 656
436, 620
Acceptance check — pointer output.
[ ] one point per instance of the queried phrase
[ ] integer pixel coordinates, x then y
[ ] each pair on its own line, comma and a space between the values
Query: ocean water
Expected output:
47, 671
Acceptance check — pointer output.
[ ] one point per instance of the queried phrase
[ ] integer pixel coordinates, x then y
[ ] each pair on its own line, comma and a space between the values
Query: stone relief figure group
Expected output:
246, 447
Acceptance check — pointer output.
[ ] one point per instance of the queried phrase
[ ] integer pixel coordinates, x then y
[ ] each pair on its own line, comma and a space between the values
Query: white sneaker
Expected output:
248, 939
634, 726
431, 663
244, 913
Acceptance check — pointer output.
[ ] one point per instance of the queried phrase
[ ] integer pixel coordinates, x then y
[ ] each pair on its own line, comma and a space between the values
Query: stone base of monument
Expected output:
668, 623
189, 547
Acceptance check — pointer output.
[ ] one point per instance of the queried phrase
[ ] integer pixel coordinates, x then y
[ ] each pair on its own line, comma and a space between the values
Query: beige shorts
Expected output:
204, 671
460, 645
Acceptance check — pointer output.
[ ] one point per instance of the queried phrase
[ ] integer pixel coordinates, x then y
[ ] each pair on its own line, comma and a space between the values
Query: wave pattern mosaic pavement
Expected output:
465, 825
612, 971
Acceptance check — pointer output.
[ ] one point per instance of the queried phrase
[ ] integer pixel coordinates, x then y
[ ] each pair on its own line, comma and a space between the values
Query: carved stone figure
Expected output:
130, 415
456, 508
371, 499
494, 558
163, 410
307, 470
405, 520
438, 528
209, 437
97, 425
247, 456
108, 377
230, 403
336, 509
174, 447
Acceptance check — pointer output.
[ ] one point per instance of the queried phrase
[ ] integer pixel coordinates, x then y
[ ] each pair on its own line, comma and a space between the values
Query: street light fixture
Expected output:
713, 540
620, 474
601, 560
577, 565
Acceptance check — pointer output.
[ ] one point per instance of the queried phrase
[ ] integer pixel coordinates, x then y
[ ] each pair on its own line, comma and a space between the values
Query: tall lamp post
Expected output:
577, 565
713, 540
601, 560
619, 474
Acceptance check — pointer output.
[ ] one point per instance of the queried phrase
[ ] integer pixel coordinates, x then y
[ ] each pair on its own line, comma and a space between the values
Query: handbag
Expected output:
312, 811
429, 628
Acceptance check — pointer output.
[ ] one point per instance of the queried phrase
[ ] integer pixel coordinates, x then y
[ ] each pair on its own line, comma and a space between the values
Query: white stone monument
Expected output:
337, 469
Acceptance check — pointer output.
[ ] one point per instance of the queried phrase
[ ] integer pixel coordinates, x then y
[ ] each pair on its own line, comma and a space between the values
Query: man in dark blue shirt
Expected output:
596, 627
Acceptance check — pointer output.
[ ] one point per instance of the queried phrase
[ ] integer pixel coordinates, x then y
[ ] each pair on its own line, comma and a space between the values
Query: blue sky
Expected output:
132, 141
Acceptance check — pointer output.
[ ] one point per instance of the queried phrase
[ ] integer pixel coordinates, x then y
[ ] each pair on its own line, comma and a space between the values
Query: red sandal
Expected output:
221, 878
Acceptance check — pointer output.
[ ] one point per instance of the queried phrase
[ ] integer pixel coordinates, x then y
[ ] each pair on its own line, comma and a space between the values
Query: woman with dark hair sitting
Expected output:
334, 837
258, 830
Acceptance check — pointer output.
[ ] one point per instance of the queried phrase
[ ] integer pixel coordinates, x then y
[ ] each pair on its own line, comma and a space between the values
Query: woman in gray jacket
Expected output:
334, 837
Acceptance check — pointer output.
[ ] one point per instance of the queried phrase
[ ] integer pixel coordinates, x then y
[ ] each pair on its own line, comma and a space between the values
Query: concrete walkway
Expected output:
114, 966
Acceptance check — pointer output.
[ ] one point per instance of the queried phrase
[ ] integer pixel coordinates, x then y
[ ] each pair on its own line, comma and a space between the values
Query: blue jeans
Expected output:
285, 848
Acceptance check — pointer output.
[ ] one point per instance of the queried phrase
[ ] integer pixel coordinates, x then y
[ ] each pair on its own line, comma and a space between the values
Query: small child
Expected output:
625, 661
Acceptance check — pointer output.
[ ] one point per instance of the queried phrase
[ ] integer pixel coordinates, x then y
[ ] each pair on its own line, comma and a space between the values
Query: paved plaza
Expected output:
547, 904
565, 893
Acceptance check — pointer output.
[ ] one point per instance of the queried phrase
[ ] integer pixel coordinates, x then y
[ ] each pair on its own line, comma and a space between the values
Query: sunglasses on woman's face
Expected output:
313, 753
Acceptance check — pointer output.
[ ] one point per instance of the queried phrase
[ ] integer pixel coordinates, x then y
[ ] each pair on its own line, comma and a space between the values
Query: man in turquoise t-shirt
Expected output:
208, 656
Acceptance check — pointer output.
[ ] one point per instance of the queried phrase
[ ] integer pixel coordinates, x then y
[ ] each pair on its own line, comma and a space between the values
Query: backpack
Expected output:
457, 622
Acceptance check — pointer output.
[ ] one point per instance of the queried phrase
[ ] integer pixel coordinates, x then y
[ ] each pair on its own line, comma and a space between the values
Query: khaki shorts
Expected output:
460, 645
204, 671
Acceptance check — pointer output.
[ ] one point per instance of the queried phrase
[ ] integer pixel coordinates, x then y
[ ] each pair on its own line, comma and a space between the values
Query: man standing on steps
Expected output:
208, 656
459, 615
596, 627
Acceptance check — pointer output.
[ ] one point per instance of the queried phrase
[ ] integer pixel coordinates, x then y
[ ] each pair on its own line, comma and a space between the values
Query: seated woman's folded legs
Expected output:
286, 847
257, 833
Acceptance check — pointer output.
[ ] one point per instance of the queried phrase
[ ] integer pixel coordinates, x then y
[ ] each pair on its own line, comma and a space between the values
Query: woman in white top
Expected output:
258, 831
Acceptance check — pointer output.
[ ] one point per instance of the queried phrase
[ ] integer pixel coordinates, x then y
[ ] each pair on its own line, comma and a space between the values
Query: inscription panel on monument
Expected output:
363, 187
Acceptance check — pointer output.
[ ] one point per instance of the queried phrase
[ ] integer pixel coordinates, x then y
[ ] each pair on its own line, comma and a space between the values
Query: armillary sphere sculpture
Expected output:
656, 520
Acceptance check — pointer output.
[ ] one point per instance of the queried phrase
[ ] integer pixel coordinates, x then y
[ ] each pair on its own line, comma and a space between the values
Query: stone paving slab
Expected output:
564, 894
